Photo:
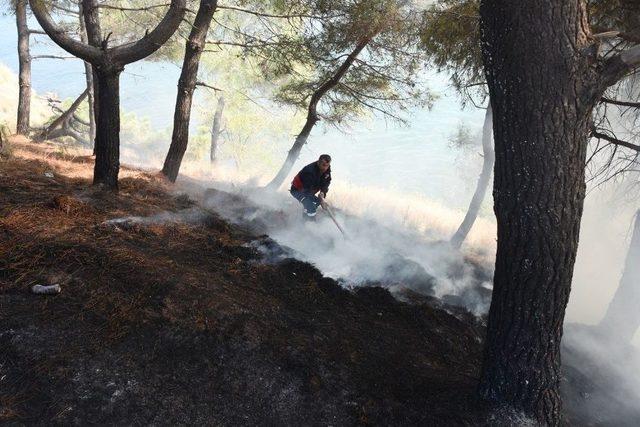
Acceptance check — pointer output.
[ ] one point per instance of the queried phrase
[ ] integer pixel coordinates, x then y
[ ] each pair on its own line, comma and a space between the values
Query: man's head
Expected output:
324, 162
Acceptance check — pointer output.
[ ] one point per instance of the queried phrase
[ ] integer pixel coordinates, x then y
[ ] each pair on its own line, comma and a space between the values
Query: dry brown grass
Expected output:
133, 291
55, 231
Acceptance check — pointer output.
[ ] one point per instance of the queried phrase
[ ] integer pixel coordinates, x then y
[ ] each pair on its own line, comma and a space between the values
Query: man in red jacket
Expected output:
313, 178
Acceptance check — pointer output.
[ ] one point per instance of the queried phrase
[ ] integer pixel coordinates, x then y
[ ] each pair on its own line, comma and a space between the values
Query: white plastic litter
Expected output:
48, 174
46, 289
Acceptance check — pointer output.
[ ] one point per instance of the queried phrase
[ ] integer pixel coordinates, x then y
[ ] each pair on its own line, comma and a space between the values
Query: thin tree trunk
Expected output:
622, 319
90, 20
64, 117
215, 129
88, 73
542, 93
294, 152
24, 74
2, 140
312, 114
107, 147
186, 86
483, 182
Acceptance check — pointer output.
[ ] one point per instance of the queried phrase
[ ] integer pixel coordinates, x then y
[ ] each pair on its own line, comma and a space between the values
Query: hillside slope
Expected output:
171, 315
176, 319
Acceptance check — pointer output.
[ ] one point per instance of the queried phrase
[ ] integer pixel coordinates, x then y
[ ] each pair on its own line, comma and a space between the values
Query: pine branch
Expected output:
199, 83
615, 141
620, 103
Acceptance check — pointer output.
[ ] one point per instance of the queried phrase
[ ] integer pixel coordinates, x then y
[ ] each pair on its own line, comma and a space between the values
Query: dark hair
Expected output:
325, 157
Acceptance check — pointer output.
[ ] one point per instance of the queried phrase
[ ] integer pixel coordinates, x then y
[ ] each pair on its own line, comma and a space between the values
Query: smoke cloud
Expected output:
381, 247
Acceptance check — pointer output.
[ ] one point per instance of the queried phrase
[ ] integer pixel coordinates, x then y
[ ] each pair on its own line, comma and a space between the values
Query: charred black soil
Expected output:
179, 322
170, 315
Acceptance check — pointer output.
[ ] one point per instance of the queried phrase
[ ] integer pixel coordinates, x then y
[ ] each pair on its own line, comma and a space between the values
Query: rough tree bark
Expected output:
544, 79
483, 182
215, 129
312, 113
186, 87
632, 9
108, 148
24, 73
622, 319
108, 63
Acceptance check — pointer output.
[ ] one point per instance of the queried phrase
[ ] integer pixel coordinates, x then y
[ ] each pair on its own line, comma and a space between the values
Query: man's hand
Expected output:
321, 196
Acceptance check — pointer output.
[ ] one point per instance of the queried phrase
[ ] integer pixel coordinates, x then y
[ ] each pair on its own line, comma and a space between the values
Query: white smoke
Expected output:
605, 235
380, 248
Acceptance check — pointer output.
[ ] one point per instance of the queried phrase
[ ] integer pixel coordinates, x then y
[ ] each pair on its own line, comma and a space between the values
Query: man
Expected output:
313, 178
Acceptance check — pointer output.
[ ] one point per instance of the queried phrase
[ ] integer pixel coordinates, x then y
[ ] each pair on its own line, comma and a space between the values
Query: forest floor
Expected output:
165, 321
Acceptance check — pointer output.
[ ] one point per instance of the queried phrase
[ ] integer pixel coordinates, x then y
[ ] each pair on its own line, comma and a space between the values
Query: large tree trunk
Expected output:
631, 10
622, 318
539, 69
108, 62
24, 74
312, 113
215, 129
483, 182
107, 147
186, 87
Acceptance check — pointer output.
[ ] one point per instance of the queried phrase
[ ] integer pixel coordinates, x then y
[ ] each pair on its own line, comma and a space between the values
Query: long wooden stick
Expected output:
330, 212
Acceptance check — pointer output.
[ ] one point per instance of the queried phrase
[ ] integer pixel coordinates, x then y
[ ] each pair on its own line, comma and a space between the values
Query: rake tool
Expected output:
327, 208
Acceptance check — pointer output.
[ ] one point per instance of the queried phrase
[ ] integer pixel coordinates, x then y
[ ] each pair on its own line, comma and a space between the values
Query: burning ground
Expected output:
367, 254
170, 314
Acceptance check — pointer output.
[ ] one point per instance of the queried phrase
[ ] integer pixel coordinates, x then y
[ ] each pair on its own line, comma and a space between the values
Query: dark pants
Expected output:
309, 201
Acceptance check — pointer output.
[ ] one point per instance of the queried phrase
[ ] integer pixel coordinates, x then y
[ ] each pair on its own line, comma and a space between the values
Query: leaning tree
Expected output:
186, 86
622, 318
237, 34
351, 57
545, 74
108, 63
451, 39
